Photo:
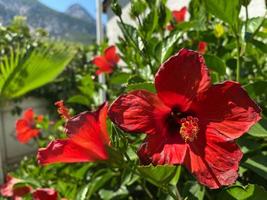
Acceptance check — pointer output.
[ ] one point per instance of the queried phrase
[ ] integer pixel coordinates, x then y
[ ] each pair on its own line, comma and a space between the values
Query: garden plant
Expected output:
184, 115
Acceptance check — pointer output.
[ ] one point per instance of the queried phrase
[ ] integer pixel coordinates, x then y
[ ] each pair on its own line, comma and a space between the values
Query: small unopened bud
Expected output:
116, 8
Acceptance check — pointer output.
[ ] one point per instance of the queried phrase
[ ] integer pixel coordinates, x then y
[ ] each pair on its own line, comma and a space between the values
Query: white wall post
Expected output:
99, 38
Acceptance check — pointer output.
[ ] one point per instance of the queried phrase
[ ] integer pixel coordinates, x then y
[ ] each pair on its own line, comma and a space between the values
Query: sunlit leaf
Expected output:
161, 174
249, 192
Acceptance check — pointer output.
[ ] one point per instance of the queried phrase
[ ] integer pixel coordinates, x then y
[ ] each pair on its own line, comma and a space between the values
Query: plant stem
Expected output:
178, 193
238, 58
142, 182
141, 53
246, 23
259, 27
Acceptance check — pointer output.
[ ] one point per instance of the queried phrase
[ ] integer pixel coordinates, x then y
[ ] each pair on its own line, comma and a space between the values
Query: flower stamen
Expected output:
189, 128
62, 110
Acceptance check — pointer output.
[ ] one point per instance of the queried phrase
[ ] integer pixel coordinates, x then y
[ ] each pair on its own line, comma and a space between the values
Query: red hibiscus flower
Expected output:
45, 194
86, 142
25, 127
179, 15
202, 47
189, 121
107, 62
10, 190
170, 27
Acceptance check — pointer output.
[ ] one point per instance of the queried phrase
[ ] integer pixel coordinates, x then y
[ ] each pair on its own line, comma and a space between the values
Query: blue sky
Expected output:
62, 5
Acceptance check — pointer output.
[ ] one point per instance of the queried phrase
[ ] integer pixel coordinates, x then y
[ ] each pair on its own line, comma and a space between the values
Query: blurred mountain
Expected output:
79, 12
76, 24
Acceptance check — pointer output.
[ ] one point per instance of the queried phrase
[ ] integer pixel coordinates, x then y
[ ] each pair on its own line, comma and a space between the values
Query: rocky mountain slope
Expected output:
75, 24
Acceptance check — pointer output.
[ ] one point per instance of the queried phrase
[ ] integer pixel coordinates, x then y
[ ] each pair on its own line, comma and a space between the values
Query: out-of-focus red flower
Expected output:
179, 15
9, 189
86, 142
25, 127
170, 27
62, 110
106, 62
45, 194
189, 121
202, 47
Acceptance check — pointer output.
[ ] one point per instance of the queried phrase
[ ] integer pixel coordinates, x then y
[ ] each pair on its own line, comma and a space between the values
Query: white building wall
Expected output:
10, 149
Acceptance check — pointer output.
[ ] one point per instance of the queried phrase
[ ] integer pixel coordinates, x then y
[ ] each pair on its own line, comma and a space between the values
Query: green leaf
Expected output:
98, 183
260, 45
257, 164
120, 78
254, 24
249, 192
168, 44
227, 11
193, 191
82, 193
161, 174
22, 72
110, 194
135, 79
87, 86
129, 32
141, 86
150, 23
258, 130
215, 63
79, 99
257, 88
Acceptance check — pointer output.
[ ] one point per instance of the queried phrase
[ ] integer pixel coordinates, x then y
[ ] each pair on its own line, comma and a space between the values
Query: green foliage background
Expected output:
238, 53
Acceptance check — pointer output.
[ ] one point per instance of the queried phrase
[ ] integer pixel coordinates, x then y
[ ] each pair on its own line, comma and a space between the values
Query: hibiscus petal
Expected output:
138, 112
111, 55
214, 161
45, 194
160, 150
89, 128
103, 64
227, 108
63, 151
181, 78
87, 140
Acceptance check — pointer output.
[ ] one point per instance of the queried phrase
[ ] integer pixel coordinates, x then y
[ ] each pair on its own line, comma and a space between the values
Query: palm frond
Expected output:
21, 71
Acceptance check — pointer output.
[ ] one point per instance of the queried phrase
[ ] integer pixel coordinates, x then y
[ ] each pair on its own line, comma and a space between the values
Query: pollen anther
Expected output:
189, 128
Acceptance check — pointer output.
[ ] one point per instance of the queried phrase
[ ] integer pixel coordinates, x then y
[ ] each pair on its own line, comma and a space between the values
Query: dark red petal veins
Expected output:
217, 163
111, 55
181, 78
227, 108
161, 149
138, 112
